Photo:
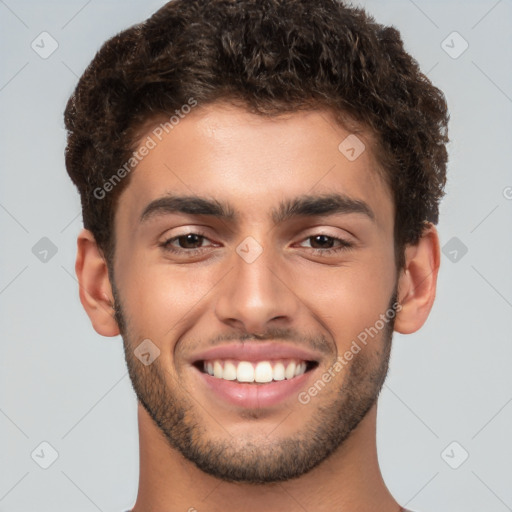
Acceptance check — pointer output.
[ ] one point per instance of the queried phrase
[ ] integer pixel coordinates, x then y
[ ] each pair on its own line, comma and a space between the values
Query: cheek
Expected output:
159, 296
348, 299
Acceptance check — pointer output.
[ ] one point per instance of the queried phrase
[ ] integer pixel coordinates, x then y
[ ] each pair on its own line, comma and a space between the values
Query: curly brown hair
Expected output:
273, 56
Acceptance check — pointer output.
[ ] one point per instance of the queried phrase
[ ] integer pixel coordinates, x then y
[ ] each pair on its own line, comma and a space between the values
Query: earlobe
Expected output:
94, 285
417, 282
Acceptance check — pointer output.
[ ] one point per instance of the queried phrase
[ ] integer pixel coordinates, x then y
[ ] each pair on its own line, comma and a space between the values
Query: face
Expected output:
253, 248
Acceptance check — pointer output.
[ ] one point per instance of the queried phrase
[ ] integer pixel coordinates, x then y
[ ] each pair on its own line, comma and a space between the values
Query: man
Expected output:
260, 182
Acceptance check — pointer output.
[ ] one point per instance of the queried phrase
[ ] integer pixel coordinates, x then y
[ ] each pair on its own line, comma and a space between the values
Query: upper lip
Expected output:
255, 351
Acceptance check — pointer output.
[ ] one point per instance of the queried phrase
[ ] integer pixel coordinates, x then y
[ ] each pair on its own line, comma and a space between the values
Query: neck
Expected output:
349, 480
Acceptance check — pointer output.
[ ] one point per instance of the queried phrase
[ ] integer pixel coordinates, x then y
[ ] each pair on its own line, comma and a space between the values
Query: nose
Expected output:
256, 296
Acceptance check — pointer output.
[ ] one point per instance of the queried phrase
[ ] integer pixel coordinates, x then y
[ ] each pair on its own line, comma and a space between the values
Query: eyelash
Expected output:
344, 245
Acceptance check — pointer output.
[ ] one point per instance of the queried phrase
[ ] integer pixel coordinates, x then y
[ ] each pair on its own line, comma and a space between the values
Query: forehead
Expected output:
250, 162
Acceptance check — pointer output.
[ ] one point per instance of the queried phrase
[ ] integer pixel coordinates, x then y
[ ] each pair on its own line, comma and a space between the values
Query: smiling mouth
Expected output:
252, 372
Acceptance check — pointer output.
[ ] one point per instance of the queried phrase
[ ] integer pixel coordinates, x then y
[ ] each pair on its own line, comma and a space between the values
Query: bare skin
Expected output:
185, 302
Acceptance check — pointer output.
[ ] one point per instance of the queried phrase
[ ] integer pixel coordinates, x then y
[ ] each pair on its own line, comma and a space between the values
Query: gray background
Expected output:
63, 384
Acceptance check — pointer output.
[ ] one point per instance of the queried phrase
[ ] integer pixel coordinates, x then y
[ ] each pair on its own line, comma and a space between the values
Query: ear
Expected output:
94, 285
417, 282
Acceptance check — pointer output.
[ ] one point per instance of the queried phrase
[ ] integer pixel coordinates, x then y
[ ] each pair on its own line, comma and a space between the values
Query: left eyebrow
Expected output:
328, 204
305, 205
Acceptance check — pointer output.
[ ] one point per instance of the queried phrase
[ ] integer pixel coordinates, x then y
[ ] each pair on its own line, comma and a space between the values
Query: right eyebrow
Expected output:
191, 205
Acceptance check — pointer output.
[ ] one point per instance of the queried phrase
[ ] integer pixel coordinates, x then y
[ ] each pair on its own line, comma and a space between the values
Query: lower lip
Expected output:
255, 396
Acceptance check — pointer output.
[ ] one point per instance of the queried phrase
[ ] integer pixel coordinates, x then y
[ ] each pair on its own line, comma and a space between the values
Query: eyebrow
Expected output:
305, 205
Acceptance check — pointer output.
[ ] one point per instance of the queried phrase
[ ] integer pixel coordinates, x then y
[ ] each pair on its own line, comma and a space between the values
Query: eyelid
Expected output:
319, 231
344, 245
187, 230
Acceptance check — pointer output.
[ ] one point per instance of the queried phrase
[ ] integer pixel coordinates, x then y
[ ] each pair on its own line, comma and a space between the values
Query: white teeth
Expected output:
229, 371
300, 369
261, 372
217, 370
279, 371
290, 371
245, 372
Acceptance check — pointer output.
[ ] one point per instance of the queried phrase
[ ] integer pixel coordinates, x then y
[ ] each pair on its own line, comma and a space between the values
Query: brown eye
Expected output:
186, 244
325, 244
188, 241
324, 241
